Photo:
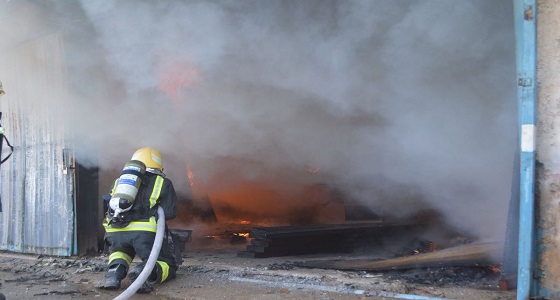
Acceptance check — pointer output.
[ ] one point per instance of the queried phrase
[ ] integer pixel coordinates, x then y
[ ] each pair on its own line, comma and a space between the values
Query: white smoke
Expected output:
403, 105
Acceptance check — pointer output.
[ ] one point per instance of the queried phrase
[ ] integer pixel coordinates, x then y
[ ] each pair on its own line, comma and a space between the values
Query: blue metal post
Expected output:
525, 12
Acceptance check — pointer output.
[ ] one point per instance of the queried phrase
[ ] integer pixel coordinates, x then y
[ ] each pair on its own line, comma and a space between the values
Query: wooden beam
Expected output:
464, 255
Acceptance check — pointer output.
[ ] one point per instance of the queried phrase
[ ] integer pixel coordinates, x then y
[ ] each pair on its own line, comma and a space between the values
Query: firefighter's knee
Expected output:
121, 258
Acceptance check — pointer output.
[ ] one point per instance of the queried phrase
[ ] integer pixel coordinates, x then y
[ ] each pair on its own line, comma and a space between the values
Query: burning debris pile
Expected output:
329, 238
349, 236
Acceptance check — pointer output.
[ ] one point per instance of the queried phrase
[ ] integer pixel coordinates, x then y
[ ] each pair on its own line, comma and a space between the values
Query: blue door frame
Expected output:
525, 15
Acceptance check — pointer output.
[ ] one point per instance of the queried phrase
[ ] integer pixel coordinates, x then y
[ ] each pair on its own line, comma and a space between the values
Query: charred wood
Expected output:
476, 254
311, 239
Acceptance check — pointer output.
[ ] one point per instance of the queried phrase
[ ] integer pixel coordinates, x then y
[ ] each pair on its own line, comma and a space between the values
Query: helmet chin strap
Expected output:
155, 171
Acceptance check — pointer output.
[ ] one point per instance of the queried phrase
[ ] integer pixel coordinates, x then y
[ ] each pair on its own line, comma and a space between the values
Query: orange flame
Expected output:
178, 76
313, 171
495, 269
190, 175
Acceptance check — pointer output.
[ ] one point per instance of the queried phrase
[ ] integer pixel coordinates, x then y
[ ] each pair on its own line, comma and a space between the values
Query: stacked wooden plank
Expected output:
311, 239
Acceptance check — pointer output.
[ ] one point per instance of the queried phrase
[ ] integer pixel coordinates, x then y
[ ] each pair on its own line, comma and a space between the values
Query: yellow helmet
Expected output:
150, 157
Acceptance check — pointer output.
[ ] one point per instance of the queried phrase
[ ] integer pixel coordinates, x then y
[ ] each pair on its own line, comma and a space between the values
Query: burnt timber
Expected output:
312, 239
475, 254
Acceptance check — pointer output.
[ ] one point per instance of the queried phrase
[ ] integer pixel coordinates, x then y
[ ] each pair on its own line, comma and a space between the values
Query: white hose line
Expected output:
131, 290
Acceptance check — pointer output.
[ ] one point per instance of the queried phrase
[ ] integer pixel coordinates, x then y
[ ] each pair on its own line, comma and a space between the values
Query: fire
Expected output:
313, 171
243, 234
190, 175
178, 76
265, 204
495, 269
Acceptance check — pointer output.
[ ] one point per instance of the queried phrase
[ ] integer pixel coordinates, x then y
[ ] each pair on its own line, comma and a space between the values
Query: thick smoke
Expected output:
402, 105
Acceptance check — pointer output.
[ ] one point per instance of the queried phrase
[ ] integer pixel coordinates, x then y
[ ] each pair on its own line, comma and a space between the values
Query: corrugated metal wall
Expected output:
36, 185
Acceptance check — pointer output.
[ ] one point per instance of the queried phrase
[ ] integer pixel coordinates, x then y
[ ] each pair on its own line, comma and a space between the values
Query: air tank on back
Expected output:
127, 187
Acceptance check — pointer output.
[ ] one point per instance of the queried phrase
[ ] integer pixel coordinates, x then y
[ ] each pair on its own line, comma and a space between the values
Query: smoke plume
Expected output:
401, 105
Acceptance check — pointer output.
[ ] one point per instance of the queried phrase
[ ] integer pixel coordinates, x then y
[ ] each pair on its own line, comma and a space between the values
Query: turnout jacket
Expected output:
155, 190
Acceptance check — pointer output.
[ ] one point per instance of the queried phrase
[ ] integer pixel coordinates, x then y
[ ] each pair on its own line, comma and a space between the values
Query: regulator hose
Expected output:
131, 290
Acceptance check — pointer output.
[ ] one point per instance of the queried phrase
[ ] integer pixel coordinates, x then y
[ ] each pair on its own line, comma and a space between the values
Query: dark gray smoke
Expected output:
403, 105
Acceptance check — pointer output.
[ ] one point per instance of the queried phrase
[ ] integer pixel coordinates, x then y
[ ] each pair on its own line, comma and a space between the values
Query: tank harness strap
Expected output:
114, 186
156, 191
107, 221
141, 225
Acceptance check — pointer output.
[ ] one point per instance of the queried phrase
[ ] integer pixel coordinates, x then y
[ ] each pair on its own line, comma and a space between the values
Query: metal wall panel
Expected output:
37, 184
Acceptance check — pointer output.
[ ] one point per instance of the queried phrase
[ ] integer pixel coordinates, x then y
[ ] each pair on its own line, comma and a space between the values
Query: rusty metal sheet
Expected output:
37, 181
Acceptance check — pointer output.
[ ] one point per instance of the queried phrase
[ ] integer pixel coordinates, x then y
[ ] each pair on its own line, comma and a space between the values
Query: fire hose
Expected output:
131, 290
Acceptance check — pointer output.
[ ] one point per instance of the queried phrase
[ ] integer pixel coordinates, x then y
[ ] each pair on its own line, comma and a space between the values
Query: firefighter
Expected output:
133, 232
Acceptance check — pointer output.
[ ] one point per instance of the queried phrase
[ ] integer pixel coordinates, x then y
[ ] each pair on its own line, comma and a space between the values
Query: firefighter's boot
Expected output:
146, 288
135, 272
148, 285
112, 279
